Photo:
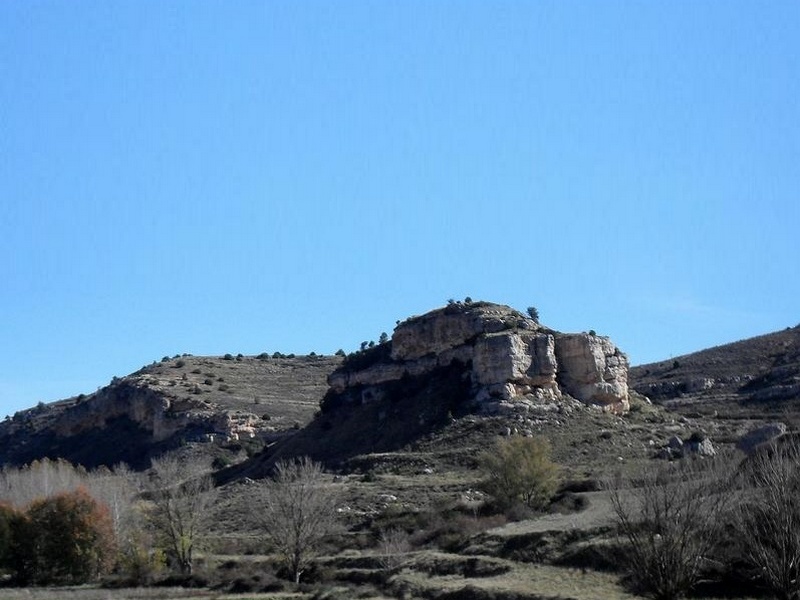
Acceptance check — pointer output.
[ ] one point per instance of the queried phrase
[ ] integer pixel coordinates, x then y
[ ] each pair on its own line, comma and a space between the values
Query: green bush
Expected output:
533, 313
519, 469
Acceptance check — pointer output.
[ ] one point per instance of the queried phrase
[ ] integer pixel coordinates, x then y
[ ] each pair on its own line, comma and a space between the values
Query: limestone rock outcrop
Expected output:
592, 368
506, 355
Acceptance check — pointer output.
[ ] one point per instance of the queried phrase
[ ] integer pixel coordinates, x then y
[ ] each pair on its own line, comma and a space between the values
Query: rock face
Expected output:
593, 369
166, 404
507, 356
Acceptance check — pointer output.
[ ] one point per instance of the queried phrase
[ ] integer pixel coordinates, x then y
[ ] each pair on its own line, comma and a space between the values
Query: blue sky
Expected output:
213, 177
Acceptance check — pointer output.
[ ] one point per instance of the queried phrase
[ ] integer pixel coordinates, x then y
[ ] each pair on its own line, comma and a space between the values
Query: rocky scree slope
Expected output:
466, 358
752, 378
163, 405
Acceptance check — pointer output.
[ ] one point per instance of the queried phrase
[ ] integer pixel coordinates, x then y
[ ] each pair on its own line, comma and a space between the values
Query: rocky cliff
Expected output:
224, 400
464, 358
508, 358
473, 362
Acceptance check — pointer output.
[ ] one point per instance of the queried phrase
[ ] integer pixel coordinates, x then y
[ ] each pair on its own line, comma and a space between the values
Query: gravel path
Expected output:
598, 513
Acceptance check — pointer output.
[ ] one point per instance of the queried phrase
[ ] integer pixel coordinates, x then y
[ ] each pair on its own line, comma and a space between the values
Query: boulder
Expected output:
700, 447
755, 438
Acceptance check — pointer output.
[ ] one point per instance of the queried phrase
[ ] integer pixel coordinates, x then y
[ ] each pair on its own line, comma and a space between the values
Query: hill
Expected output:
475, 359
240, 401
753, 378
402, 425
487, 361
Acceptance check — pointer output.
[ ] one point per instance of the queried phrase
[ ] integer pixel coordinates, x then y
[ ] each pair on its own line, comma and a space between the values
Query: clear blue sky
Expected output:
213, 177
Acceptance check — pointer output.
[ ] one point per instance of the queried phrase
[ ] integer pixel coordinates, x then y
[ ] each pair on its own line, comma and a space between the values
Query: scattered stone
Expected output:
701, 447
698, 444
675, 443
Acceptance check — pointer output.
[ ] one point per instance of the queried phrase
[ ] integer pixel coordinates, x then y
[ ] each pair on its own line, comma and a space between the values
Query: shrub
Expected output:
7, 515
393, 545
68, 538
768, 517
228, 356
519, 469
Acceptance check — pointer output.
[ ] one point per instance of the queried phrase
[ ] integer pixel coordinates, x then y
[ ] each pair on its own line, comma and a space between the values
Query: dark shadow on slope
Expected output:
362, 421
120, 440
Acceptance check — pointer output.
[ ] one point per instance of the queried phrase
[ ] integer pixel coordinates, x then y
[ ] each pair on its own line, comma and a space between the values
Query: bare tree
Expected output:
119, 489
671, 521
393, 545
768, 517
299, 512
182, 493
41, 479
